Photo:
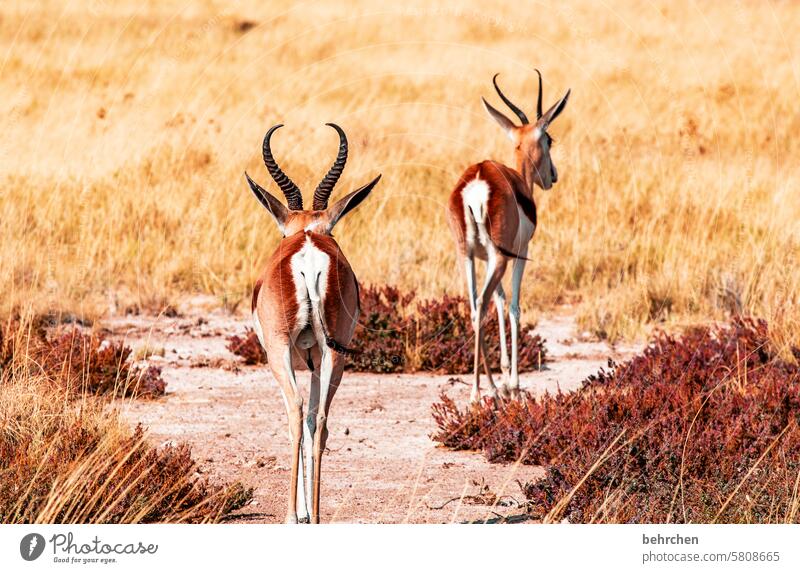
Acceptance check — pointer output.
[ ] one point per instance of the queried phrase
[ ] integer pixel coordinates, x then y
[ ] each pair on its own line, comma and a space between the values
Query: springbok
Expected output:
493, 217
305, 306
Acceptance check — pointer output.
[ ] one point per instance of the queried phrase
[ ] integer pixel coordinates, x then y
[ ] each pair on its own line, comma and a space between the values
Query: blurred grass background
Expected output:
125, 128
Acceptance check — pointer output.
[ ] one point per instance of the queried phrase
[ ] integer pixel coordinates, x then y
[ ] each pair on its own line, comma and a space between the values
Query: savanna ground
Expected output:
381, 465
126, 128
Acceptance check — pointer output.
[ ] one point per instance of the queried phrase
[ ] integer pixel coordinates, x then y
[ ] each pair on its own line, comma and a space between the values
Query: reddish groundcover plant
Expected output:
78, 361
398, 333
699, 428
248, 347
66, 457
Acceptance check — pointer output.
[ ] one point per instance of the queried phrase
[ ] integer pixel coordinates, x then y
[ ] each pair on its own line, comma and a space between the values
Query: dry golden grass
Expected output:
126, 127
67, 463
68, 456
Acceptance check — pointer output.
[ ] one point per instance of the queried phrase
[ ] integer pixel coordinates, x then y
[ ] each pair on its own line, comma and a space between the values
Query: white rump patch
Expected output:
476, 197
310, 268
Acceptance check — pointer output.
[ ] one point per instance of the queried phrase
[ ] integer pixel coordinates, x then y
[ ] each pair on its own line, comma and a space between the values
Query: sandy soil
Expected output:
381, 465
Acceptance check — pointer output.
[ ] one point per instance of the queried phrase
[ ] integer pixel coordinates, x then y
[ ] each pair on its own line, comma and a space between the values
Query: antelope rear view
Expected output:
492, 214
305, 307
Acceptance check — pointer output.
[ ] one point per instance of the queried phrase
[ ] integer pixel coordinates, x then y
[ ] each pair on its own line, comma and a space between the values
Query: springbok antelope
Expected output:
305, 306
493, 217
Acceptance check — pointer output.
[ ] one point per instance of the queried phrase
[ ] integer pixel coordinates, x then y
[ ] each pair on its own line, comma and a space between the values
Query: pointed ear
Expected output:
349, 202
273, 205
552, 113
505, 123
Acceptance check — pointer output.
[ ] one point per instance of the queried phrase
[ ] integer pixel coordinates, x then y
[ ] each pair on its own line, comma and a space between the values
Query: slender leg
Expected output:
332, 366
280, 362
514, 315
499, 302
309, 430
496, 267
472, 296
475, 394
486, 368
472, 293
302, 478
291, 515
482, 355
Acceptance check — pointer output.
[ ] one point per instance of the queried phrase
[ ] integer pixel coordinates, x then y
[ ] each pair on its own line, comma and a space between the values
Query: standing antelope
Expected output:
305, 307
493, 216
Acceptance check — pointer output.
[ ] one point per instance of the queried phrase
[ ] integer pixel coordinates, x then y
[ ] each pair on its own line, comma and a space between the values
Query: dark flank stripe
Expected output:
256, 290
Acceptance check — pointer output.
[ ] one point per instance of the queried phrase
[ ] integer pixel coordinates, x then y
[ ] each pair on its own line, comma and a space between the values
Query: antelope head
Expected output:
531, 140
320, 219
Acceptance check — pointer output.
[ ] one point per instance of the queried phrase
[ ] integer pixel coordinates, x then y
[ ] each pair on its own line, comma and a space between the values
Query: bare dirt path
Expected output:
381, 467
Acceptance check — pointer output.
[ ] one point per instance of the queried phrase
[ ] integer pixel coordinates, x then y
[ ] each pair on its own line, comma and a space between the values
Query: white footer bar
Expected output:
416, 548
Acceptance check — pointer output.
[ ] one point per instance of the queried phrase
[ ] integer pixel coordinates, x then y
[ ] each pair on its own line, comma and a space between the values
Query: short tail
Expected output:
330, 342
480, 221
335, 346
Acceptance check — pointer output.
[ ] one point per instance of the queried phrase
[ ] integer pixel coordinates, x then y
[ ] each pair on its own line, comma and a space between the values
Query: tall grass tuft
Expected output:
67, 457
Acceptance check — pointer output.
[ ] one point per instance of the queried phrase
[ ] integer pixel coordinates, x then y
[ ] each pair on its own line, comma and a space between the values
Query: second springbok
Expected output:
305, 307
492, 214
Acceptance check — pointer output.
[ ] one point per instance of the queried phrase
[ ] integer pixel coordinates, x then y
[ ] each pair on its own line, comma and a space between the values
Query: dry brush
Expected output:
66, 456
699, 428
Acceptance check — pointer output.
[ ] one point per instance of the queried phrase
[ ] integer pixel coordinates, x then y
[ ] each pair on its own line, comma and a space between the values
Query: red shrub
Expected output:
445, 340
385, 331
248, 347
396, 333
677, 430
77, 361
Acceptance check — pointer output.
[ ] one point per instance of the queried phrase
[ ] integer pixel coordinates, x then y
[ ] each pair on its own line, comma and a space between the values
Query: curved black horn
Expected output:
539, 100
520, 114
294, 198
325, 187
